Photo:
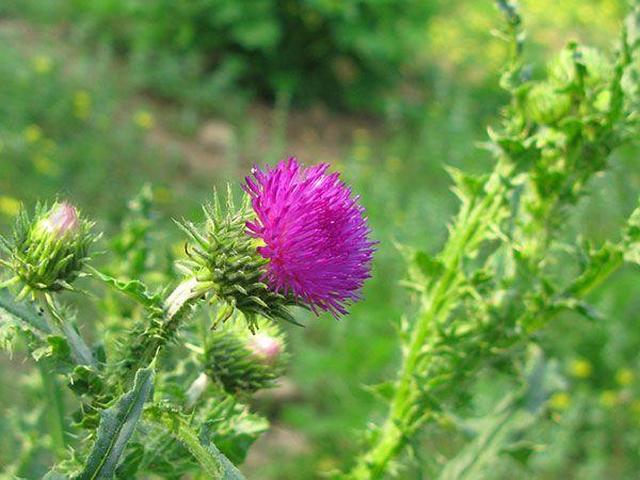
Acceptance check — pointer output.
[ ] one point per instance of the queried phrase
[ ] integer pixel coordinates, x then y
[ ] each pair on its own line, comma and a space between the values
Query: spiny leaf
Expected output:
133, 288
117, 424
215, 465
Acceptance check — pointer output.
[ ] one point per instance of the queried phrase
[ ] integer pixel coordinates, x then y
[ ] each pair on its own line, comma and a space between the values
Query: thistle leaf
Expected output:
214, 463
117, 424
26, 315
133, 288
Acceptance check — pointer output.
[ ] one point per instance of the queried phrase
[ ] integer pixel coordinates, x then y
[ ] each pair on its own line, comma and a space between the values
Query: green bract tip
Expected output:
223, 257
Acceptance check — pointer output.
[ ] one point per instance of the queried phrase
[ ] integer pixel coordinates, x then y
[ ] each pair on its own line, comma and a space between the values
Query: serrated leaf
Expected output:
215, 465
522, 451
129, 465
428, 265
57, 347
467, 186
117, 424
132, 288
384, 391
234, 431
501, 431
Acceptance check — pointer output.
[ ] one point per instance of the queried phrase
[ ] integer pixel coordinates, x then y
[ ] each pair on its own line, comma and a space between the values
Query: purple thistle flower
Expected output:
315, 234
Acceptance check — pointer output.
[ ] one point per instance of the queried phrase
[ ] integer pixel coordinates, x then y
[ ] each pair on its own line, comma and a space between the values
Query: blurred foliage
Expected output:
342, 53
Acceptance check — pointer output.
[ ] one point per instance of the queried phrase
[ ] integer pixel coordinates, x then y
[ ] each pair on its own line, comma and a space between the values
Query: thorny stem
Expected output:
175, 308
443, 293
79, 349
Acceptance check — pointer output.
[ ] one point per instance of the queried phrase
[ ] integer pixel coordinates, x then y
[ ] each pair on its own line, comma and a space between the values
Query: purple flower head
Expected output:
314, 234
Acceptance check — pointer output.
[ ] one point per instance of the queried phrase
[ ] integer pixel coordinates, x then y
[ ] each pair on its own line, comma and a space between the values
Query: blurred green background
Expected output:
98, 98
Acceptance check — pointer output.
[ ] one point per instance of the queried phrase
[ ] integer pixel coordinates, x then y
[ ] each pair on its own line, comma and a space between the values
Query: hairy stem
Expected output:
473, 221
162, 330
79, 349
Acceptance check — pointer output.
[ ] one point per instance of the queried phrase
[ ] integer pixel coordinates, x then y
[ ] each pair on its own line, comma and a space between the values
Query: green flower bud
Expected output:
241, 361
546, 105
223, 257
48, 252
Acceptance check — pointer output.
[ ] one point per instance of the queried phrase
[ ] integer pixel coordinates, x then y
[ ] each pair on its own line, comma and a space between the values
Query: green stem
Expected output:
79, 349
400, 424
147, 344
214, 464
473, 220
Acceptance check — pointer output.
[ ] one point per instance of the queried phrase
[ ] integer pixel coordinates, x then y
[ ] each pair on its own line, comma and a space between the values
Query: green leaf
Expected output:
383, 391
214, 464
467, 186
25, 314
501, 431
57, 348
632, 238
133, 288
130, 464
52, 475
429, 266
233, 430
117, 424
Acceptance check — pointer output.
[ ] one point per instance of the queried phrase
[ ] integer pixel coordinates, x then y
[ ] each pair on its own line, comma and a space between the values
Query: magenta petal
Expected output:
315, 234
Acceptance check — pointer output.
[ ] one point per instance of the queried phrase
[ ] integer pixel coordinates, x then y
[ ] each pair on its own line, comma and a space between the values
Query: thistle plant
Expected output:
168, 375
163, 390
492, 286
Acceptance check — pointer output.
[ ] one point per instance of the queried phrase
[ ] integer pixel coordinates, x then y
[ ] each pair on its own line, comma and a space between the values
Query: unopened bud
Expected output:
243, 362
62, 220
265, 347
49, 251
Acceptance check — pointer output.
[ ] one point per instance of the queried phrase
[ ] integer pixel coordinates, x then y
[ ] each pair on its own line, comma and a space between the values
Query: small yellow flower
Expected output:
32, 133
9, 206
580, 368
144, 119
609, 398
82, 104
624, 377
42, 64
560, 401
45, 166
